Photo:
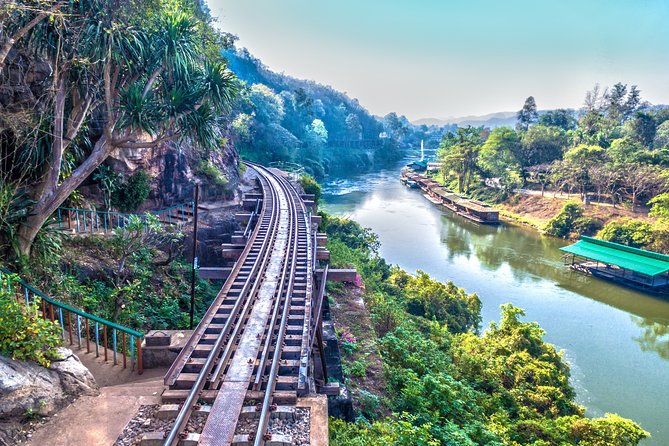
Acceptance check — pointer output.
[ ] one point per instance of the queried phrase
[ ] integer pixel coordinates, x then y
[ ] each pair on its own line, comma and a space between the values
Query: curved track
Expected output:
252, 344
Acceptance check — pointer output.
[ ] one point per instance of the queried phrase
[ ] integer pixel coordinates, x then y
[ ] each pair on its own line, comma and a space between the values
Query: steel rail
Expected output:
184, 414
263, 423
216, 375
204, 323
260, 373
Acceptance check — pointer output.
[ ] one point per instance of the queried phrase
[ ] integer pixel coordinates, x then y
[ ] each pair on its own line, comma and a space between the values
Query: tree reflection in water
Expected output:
655, 336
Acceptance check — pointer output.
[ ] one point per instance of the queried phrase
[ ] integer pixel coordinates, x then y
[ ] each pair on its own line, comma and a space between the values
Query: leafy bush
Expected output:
212, 173
570, 220
347, 341
24, 335
311, 186
357, 368
129, 196
635, 233
369, 403
504, 387
14, 207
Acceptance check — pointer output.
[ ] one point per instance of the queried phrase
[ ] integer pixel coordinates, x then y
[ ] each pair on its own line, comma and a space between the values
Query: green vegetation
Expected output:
447, 384
121, 76
616, 149
212, 173
311, 186
280, 118
24, 334
135, 278
643, 234
129, 196
571, 223
634, 233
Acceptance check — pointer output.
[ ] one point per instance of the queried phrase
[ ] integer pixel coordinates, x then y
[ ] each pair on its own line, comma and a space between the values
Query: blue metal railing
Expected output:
93, 221
80, 327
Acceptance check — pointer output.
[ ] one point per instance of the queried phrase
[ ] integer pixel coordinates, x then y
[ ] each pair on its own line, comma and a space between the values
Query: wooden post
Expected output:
69, 325
140, 370
88, 344
321, 351
104, 339
124, 351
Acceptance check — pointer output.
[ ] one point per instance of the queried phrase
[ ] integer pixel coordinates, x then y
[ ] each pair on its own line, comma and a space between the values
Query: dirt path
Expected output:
98, 420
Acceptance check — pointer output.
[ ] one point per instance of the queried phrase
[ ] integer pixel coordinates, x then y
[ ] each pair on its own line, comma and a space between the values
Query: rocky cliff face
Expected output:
22, 82
174, 169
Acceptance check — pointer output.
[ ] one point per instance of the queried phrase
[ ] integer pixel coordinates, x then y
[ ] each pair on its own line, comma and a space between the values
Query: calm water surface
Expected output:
615, 339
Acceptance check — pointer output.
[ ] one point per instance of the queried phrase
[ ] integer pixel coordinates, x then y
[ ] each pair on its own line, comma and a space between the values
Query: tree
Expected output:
638, 180
267, 104
580, 160
127, 78
643, 128
459, 154
661, 135
660, 206
527, 115
562, 118
25, 16
541, 144
353, 126
498, 156
606, 180
620, 105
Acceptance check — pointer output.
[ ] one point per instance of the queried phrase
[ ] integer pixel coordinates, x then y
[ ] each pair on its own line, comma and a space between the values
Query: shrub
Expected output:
357, 368
347, 341
570, 221
24, 335
635, 233
369, 404
129, 196
212, 173
311, 186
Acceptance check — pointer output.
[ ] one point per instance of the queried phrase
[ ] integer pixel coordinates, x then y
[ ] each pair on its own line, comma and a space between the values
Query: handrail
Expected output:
135, 336
92, 220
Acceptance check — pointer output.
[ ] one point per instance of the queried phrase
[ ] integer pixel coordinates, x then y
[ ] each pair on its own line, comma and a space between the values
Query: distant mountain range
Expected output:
492, 120
499, 119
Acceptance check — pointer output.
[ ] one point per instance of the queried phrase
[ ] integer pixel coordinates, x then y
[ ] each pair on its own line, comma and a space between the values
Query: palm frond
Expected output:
220, 84
138, 113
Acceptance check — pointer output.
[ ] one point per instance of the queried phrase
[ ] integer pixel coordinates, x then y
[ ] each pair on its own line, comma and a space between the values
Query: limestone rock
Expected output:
27, 387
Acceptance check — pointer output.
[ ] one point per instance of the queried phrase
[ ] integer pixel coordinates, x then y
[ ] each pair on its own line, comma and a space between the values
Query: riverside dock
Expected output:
473, 210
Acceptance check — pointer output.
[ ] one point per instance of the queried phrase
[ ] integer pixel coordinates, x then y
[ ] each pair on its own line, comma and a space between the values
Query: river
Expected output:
615, 339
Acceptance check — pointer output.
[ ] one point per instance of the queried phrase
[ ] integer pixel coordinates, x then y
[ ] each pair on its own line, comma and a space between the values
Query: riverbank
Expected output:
446, 381
535, 211
611, 336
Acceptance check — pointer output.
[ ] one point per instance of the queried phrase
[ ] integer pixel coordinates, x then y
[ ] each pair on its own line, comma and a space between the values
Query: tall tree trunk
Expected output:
52, 198
11, 41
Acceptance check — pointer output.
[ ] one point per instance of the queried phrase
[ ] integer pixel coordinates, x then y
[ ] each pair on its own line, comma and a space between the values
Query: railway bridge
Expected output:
259, 346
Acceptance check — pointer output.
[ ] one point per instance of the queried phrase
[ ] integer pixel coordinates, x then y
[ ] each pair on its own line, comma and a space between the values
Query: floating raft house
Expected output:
473, 210
638, 268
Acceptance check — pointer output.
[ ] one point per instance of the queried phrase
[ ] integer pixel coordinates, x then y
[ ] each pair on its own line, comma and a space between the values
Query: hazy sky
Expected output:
446, 58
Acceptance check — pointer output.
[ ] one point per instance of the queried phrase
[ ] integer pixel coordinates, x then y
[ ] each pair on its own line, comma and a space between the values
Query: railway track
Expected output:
248, 357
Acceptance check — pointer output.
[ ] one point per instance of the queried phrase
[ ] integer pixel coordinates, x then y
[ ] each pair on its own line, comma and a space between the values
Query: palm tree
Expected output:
126, 78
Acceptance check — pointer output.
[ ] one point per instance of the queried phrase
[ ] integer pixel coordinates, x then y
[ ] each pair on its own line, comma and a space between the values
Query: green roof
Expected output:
633, 259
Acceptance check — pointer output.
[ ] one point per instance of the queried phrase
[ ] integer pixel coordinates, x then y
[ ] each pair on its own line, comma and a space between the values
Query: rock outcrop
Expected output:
27, 388
174, 170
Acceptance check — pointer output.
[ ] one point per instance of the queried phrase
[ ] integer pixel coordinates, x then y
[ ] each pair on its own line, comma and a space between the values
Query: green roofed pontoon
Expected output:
645, 269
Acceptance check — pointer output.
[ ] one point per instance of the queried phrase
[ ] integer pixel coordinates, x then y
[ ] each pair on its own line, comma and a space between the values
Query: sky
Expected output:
453, 58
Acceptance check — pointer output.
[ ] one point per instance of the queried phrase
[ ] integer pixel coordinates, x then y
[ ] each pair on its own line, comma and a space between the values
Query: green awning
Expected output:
633, 259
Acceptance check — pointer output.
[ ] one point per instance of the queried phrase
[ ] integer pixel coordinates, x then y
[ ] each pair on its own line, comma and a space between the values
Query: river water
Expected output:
616, 340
